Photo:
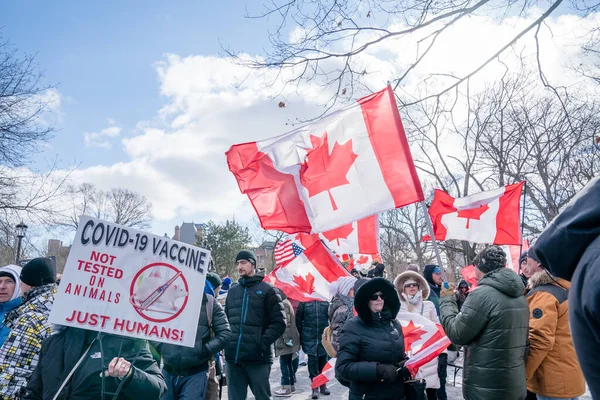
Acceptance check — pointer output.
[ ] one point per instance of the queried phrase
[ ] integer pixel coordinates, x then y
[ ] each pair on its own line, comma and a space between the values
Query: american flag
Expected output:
285, 251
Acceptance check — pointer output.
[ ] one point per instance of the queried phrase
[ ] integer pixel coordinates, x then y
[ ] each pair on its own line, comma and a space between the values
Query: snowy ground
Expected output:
339, 392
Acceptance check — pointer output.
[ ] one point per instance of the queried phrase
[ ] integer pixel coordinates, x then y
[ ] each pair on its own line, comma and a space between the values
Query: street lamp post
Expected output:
21, 231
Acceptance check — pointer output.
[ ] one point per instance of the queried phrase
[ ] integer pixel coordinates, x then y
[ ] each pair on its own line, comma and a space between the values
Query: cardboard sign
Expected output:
128, 282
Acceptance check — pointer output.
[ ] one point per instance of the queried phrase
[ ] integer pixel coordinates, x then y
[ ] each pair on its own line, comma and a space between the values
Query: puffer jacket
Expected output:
61, 352
369, 339
434, 289
341, 309
429, 371
184, 361
311, 319
29, 326
291, 334
256, 319
570, 248
552, 366
493, 324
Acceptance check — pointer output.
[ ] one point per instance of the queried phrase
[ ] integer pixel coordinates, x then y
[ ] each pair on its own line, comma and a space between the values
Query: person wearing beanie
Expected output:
413, 268
257, 318
215, 281
28, 325
433, 275
493, 323
376, 271
341, 308
552, 367
355, 273
10, 295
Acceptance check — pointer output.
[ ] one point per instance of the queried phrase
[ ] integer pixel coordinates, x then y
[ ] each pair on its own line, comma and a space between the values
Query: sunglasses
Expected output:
411, 285
378, 295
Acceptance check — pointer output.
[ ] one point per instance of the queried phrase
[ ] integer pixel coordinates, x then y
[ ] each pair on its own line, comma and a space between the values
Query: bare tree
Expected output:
330, 39
122, 206
22, 103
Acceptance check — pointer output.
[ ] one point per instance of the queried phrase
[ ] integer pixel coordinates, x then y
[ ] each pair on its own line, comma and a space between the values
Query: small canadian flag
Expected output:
486, 217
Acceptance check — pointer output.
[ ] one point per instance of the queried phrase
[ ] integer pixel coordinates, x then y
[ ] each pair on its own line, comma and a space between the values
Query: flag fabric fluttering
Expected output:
358, 237
308, 275
344, 167
486, 217
468, 274
326, 375
285, 251
423, 340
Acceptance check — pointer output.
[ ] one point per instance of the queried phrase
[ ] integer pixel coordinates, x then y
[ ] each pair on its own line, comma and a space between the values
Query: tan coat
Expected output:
552, 366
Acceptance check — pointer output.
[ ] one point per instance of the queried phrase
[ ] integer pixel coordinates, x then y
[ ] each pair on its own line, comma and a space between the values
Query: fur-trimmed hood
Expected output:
362, 297
403, 277
544, 277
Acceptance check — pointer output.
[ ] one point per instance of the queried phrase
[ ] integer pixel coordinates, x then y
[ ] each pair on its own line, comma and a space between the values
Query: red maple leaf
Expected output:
362, 259
306, 284
322, 171
339, 233
473, 213
412, 334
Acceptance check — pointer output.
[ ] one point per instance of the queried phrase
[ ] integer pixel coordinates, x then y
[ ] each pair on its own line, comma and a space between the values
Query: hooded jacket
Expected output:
291, 335
62, 350
570, 248
429, 371
29, 326
434, 289
369, 339
311, 319
14, 302
552, 366
183, 361
493, 323
341, 309
256, 318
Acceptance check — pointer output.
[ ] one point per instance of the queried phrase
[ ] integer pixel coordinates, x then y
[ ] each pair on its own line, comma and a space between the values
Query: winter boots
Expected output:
315, 394
324, 390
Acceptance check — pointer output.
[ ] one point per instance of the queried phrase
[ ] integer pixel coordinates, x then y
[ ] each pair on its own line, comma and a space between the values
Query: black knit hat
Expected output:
490, 259
39, 272
531, 254
246, 255
214, 279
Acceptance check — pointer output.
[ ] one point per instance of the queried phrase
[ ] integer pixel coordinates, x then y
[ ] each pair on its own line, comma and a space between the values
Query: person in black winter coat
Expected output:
185, 369
311, 319
107, 362
371, 355
257, 319
570, 248
433, 275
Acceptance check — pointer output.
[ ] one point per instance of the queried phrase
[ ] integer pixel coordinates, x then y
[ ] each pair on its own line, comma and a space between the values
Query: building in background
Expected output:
60, 253
264, 256
189, 233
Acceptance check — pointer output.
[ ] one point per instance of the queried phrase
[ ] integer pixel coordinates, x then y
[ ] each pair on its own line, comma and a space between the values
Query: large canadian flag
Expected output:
486, 217
342, 168
423, 340
357, 237
307, 276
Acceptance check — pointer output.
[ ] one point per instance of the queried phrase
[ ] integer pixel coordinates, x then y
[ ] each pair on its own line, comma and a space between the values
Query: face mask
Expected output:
414, 300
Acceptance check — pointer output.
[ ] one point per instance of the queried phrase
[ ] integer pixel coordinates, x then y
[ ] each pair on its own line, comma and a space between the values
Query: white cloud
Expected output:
101, 139
177, 158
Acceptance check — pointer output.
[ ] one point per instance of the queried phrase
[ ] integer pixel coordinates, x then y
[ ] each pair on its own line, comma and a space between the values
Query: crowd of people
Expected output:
532, 336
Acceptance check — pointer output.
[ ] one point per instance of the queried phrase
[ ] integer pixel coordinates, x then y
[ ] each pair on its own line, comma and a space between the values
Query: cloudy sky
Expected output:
145, 100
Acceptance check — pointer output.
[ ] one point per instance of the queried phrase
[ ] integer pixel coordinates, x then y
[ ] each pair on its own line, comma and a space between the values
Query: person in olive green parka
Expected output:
493, 324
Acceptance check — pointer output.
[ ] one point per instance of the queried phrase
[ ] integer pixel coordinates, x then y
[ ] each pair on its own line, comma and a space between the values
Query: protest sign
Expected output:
128, 282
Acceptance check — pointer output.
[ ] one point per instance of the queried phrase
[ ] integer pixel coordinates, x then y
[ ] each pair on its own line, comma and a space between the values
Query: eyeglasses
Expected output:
411, 285
378, 295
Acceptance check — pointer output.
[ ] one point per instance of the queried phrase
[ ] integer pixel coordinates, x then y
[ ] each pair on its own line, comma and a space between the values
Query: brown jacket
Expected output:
552, 366
290, 334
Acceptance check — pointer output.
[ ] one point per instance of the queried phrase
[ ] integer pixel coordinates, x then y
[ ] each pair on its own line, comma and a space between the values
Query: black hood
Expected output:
251, 280
362, 297
428, 273
565, 239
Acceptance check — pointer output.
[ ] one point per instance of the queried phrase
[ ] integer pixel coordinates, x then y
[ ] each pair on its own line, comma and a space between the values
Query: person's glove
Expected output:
387, 373
447, 289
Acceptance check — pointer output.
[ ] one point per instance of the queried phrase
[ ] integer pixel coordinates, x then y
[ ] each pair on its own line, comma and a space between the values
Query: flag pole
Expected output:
522, 223
433, 241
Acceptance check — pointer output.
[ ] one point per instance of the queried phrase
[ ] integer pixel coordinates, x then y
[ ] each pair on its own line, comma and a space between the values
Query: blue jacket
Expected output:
4, 308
